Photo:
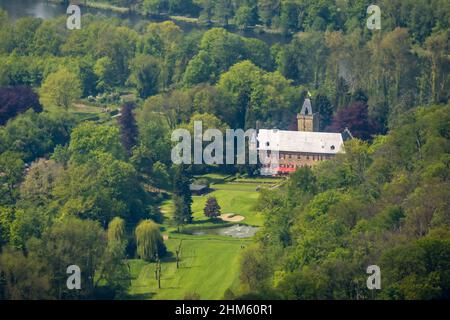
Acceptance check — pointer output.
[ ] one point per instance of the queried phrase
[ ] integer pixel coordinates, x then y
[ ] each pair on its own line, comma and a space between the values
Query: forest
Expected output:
86, 118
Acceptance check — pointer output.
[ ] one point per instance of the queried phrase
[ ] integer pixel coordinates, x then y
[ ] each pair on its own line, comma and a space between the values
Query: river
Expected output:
47, 10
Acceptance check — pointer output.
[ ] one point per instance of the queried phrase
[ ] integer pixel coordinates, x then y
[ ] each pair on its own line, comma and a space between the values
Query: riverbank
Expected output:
97, 5
178, 18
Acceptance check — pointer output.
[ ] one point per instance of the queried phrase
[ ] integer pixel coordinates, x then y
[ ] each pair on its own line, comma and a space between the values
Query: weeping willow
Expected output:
116, 231
149, 240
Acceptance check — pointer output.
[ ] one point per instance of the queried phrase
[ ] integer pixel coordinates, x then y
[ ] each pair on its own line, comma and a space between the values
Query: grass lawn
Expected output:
209, 266
209, 263
232, 197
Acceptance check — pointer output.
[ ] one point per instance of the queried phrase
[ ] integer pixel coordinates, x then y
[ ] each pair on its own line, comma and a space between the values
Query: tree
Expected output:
11, 174
255, 269
267, 10
104, 71
207, 10
49, 37
6, 219
22, 278
325, 109
34, 135
153, 6
212, 208
116, 231
100, 189
71, 241
199, 69
128, 127
182, 196
149, 242
437, 52
145, 75
245, 17
356, 118
15, 100
115, 270
61, 89
89, 138
223, 11
36, 190
239, 82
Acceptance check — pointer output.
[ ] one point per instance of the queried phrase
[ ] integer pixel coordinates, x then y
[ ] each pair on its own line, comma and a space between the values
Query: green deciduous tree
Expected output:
145, 75
61, 89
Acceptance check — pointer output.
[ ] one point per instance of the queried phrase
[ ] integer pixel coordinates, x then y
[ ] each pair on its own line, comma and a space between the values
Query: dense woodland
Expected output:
384, 202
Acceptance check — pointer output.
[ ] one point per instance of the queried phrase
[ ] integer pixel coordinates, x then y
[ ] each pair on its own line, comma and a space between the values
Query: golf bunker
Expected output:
232, 217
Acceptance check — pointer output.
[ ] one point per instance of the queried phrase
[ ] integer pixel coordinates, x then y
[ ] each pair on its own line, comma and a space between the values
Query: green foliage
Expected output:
89, 139
61, 89
255, 269
182, 196
145, 75
36, 189
149, 242
11, 174
71, 242
116, 231
100, 189
383, 204
33, 135
6, 219
34, 282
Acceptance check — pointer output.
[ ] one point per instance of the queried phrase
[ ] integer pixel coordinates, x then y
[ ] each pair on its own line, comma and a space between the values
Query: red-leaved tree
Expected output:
16, 100
356, 118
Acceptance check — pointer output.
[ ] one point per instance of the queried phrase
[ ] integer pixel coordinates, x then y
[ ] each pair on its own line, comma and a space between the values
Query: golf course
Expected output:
209, 263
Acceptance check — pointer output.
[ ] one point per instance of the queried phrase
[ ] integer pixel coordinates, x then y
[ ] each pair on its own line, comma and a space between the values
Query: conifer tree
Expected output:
182, 196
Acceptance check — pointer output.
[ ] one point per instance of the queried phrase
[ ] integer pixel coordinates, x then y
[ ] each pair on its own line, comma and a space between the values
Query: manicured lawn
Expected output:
209, 266
237, 198
209, 263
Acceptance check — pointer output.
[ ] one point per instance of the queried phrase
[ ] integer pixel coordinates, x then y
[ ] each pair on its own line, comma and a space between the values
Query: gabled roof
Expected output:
197, 187
298, 141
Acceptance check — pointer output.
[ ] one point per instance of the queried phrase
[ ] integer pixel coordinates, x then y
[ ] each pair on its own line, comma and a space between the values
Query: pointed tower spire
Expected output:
307, 120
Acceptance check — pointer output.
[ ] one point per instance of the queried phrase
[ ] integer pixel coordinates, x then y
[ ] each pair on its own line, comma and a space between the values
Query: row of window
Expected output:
287, 166
307, 157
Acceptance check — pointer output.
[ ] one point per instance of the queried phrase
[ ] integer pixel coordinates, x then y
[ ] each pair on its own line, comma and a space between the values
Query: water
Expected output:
235, 231
47, 10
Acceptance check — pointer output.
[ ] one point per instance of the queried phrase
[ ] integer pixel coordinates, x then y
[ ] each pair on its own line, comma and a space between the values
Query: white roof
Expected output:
298, 141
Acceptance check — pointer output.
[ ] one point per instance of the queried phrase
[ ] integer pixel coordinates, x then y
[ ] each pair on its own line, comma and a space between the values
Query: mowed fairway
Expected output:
233, 198
209, 263
209, 266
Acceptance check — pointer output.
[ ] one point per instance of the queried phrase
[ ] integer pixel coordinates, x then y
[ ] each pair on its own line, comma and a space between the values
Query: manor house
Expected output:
304, 147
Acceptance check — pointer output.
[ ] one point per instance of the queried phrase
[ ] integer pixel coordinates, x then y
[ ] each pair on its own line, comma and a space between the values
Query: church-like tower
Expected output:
306, 119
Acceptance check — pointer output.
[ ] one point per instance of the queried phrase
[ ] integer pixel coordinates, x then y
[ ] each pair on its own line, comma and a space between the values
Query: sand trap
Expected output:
232, 217
165, 237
